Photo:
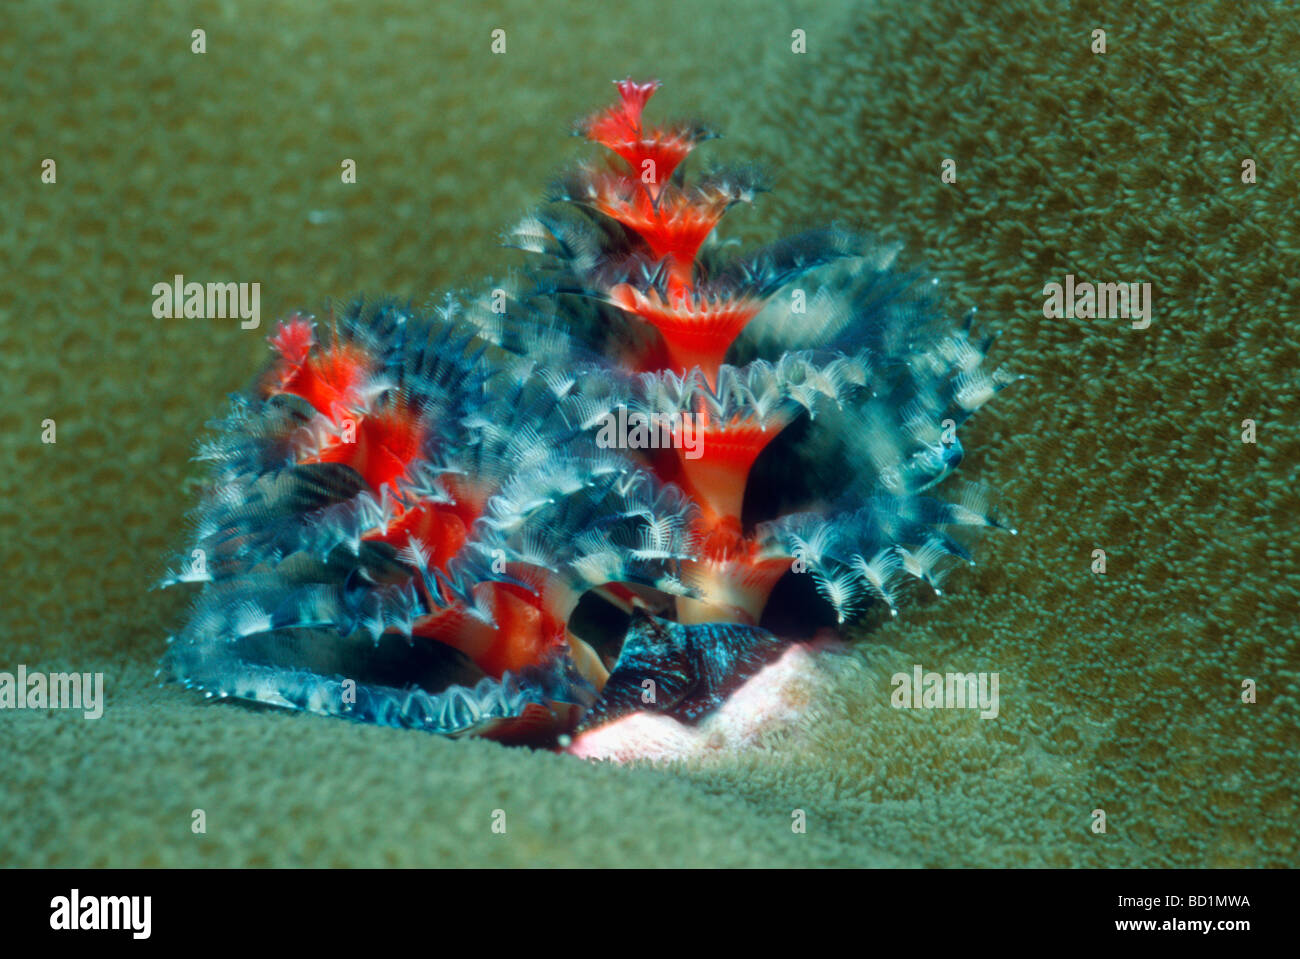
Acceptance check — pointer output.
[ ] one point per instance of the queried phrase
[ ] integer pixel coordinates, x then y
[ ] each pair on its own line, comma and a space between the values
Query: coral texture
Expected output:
1120, 691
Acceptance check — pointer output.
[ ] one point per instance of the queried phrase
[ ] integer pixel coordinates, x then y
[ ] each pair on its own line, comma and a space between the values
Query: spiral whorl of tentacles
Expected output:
406, 510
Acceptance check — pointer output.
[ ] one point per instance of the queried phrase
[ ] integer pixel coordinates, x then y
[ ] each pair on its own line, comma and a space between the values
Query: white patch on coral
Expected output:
772, 700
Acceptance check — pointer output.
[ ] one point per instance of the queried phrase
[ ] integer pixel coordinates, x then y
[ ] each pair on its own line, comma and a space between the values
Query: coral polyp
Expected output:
441, 519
